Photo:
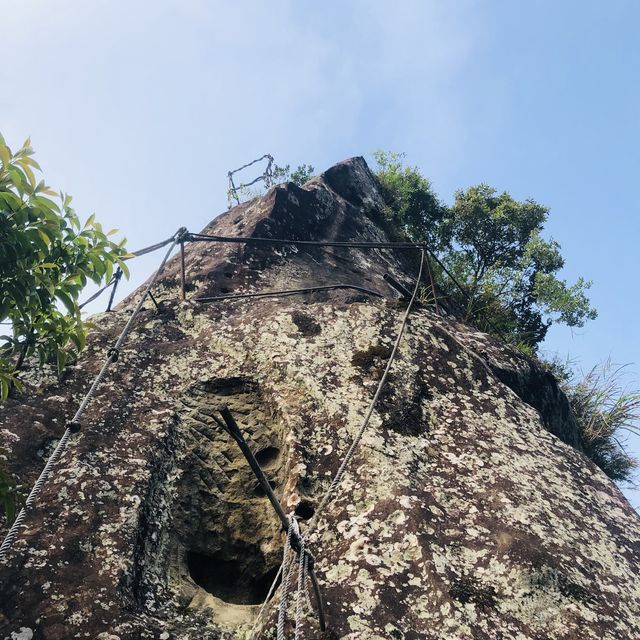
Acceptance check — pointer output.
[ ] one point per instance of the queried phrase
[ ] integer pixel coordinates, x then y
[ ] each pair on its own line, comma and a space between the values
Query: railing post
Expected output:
182, 282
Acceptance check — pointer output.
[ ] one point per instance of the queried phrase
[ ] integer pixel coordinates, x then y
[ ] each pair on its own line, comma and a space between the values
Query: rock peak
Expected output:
344, 203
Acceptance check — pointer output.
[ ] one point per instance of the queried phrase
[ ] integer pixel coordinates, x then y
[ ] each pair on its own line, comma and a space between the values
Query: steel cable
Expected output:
356, 441
112, 356
284, 568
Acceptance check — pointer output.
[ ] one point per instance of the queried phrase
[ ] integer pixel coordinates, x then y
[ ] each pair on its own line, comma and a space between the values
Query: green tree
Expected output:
508, 269
46, 258
492, 245
413, 208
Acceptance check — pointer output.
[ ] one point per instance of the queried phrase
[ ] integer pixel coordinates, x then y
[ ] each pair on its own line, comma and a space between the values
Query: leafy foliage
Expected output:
10, 497
298, 176
413, 209
492, 246
46, 258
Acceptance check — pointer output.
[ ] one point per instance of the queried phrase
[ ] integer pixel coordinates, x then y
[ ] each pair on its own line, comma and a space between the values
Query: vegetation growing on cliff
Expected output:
493, 246
299, 176
606, 410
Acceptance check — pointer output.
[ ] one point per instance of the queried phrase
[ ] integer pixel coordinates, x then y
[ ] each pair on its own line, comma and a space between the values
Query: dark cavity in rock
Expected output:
374, 355
267, 456
225, 541
305, 510
235, 575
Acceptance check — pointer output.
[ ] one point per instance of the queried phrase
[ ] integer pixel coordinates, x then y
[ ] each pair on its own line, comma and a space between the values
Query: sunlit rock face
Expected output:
468, 510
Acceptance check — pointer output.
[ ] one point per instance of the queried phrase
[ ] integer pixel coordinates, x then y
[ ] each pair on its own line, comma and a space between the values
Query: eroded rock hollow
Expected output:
468, 510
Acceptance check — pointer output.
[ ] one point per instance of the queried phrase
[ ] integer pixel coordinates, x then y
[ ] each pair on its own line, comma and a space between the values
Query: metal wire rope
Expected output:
74, 425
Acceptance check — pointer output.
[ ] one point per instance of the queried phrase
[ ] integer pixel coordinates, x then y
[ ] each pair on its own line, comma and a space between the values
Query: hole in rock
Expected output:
305, 510
305, 486
267, 456
236, 576
260, 492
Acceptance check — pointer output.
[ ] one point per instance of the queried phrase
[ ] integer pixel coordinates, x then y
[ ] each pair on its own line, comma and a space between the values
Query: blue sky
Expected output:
139, 109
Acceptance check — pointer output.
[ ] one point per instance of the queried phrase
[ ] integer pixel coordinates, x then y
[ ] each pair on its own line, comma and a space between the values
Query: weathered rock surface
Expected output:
468, 511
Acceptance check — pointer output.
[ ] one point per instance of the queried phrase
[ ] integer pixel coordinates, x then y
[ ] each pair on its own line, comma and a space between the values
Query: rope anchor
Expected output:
267, 177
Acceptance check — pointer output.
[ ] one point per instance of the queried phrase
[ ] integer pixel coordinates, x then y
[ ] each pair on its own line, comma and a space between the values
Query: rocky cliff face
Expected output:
467, 512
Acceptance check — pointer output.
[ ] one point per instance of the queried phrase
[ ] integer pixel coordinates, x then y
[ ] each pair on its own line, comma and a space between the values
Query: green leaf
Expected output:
108, 270
17, 177
17, 384
10, 199
31, 162
45, 202
79, 339
45, 237
5, 154
61, 359
66, 301
123, 266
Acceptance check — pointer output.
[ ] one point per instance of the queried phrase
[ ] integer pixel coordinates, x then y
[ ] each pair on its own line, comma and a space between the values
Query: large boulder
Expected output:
468, 510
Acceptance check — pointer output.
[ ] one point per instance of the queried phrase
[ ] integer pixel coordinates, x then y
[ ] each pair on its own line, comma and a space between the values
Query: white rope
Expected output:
258, 619
303, 559
274, 584
286, 577
303, 565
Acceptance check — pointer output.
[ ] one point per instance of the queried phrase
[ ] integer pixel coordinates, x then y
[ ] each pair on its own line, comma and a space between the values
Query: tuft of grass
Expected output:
606, 411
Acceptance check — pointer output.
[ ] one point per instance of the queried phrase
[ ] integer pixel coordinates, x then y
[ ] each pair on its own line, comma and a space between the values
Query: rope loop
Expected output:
303, 568
181, 234
287, 568
304, 561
